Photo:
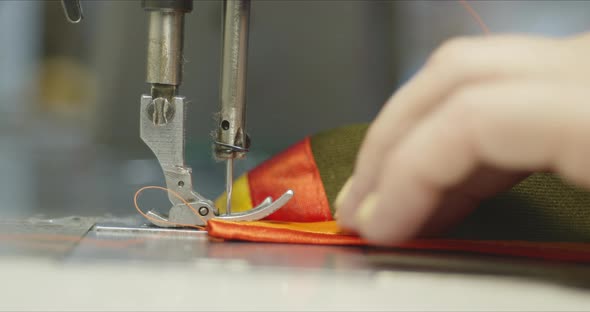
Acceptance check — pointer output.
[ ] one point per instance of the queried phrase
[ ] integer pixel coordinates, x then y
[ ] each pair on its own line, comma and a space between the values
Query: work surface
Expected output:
71, 264
74, 264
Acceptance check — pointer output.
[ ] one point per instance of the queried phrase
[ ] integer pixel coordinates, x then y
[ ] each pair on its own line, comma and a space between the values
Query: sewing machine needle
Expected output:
229, 181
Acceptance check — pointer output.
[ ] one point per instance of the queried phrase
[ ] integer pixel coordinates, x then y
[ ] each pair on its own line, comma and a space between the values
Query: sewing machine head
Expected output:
162, 112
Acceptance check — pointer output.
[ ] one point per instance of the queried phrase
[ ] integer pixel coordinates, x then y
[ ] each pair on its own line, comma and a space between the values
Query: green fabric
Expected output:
542, 207
335, 153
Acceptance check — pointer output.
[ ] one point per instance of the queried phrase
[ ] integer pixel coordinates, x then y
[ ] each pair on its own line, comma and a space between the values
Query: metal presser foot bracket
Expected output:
162, 128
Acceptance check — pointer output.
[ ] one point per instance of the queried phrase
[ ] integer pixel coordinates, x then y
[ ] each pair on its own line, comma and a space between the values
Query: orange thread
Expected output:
475, 16
162, 221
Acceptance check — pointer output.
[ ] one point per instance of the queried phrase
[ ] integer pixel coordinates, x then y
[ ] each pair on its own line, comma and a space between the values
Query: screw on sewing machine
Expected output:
160, 111
203, 211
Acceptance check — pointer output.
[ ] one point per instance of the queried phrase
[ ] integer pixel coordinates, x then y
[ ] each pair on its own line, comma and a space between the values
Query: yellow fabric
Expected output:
240, 201
326, 227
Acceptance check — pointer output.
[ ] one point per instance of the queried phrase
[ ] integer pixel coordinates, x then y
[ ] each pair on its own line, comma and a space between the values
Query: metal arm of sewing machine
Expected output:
163, 111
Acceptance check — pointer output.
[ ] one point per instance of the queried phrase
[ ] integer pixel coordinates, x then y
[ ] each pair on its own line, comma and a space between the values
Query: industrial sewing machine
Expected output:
162, 112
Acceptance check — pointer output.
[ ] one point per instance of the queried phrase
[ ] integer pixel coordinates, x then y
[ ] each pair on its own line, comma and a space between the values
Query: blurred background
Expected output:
69, 131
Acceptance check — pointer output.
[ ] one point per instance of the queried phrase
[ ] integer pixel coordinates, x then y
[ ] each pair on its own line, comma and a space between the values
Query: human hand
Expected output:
482, 114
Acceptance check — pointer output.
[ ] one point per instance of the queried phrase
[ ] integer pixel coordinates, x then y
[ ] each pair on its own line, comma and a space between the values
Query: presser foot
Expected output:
184, 215
162, 128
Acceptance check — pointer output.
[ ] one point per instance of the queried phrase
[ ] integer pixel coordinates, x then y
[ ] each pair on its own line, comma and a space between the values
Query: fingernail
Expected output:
366, 209
341, 197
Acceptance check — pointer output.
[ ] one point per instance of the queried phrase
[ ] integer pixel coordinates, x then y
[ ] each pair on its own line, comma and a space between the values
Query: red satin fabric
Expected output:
294, 169
329, 234
307, 219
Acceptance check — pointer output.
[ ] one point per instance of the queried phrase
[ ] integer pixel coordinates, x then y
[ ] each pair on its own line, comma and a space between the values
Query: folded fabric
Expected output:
541, 217
328, 233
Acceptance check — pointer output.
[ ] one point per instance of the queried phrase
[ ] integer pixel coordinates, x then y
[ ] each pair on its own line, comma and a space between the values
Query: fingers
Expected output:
455, 64
512, 125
